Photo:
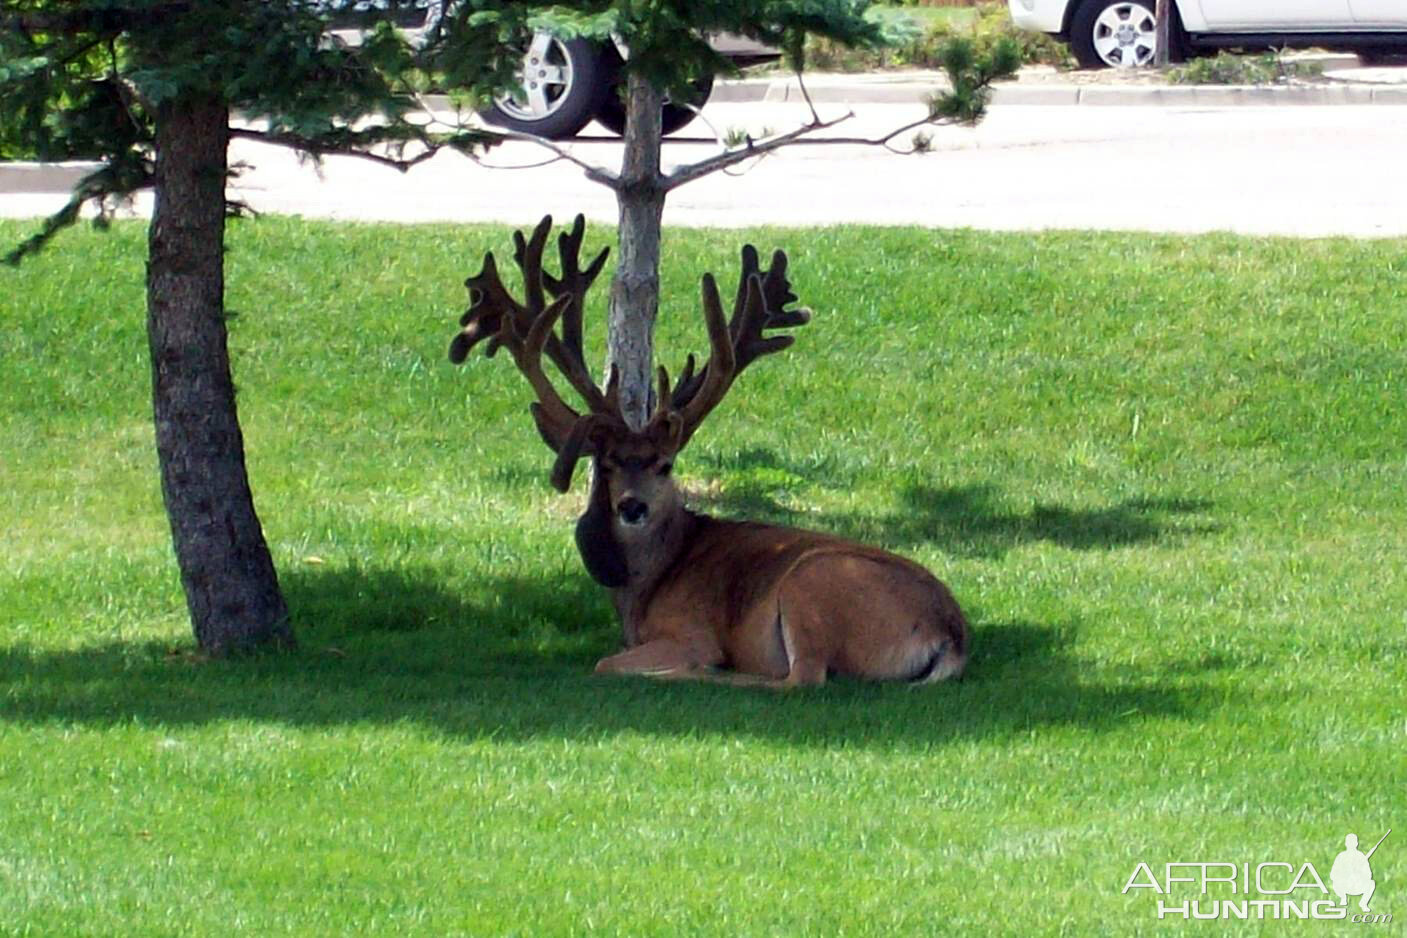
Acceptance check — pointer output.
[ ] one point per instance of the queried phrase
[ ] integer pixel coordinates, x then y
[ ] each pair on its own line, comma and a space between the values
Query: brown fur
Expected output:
784, 605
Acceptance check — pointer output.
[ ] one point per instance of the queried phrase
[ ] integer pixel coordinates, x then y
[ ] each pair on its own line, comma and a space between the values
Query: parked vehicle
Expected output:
563, 84
1120, 33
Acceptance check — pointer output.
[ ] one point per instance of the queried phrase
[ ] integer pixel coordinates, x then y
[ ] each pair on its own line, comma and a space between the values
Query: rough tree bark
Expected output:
635, 288
230, 584
1162, 34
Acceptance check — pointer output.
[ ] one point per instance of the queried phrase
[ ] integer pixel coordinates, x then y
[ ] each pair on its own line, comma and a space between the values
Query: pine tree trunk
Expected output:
1162, 37
231, 587
635, 288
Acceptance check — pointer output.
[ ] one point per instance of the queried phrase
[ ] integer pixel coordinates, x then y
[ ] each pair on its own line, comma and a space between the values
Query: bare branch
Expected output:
884, 140
702, 118
801, 83
692, 171
593, 172
509, 167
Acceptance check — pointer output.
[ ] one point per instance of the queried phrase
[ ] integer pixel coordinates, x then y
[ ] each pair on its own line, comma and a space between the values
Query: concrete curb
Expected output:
866, 90
46, 178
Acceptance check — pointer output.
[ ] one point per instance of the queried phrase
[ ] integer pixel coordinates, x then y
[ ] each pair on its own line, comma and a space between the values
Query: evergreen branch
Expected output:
116, 180
358, 143
104, 20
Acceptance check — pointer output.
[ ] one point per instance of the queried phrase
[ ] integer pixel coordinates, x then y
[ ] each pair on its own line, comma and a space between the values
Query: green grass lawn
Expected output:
1165, 476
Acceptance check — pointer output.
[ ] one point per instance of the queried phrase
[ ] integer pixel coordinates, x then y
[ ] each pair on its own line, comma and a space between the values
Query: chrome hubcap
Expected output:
544, 79
1125, 35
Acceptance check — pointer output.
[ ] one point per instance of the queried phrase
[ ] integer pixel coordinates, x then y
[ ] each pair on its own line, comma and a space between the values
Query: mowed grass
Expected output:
1165, 476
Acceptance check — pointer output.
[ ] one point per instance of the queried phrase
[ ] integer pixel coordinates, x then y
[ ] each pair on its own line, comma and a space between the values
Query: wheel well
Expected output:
1072, 7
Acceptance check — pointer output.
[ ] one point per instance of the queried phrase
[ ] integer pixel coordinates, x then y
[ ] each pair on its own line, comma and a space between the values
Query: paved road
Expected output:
1285, 170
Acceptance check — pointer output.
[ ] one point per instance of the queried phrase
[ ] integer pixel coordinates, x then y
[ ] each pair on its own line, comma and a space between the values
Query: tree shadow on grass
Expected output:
971, 521
356, 600
394, 647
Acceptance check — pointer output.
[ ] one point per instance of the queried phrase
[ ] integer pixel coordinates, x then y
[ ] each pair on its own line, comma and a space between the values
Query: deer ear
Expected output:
545, 429
596, 541
569, 453
589, 436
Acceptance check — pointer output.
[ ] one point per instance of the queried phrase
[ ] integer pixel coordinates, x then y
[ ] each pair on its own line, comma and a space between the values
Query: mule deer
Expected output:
697, 596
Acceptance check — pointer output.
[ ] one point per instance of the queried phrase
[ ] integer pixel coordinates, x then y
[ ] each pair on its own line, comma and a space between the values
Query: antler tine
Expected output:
750, 319
488, 303
750, 267
554, 417
566, 353
528, 328
662, 401
686, 376
718, 374
771, 313
575, 281
528, 254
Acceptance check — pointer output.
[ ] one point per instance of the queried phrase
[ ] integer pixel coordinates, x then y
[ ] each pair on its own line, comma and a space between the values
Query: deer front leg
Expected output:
667, 660
662, 657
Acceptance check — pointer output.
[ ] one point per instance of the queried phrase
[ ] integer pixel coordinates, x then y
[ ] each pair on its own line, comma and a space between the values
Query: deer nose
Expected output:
632, 510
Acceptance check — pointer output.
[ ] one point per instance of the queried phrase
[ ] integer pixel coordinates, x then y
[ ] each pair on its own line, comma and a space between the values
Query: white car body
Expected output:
1209, 16
1371, 25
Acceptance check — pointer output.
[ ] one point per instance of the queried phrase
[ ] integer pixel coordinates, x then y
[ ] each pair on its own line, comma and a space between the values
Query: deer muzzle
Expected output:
632, 511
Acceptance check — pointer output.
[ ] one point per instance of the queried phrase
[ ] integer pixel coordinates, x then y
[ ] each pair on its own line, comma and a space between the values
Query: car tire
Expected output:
611, 114
562, 85
1115, 33
1376, 57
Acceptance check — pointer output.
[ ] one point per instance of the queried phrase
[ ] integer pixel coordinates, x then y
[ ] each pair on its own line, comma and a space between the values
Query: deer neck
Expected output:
649, 564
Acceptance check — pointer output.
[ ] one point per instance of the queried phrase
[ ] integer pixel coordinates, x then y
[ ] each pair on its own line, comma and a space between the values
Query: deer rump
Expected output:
785, 605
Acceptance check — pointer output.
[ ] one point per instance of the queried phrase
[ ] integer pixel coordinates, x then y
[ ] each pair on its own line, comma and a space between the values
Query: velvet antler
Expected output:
759, 307
528, 329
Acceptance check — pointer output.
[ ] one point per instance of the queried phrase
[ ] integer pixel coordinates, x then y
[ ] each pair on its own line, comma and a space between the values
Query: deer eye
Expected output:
664, 468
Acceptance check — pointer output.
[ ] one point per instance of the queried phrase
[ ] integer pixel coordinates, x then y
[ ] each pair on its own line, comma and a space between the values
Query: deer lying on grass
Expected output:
695, 594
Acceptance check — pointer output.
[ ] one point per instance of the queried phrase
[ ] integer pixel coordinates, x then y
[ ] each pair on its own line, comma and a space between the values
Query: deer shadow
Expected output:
392, 646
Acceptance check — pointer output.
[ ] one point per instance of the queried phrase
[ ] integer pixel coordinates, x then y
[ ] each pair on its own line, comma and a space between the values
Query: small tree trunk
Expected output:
1162, 33
635, 288
231, 587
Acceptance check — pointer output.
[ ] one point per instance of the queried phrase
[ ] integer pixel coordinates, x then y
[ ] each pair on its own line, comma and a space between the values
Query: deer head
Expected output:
633, 494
